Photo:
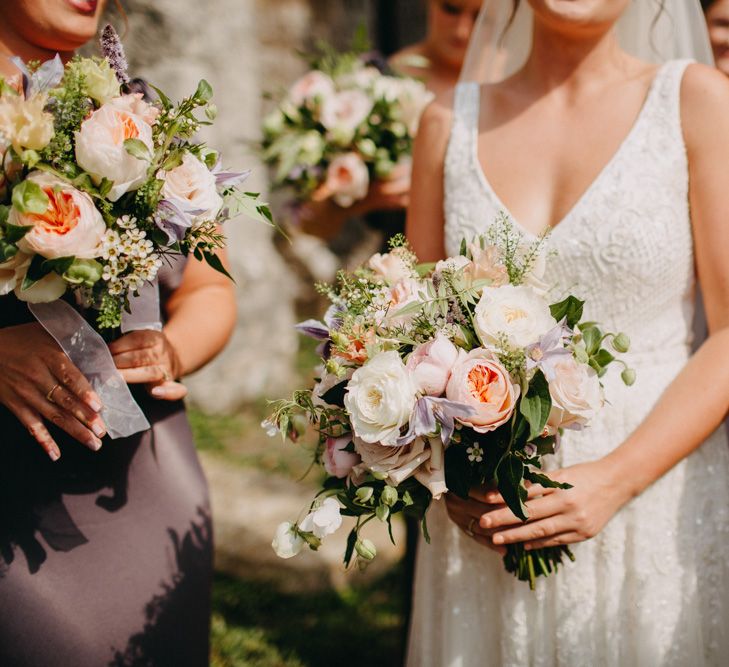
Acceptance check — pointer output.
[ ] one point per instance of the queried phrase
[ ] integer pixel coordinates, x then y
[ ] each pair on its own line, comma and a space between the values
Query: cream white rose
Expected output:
99, 77
516, 312
135, 104
323, 520
287, 543
191, 187
71, 226
11, 273
344, 112
25, 123
313, 86
576, 394
380, 398
100, 147
347, 179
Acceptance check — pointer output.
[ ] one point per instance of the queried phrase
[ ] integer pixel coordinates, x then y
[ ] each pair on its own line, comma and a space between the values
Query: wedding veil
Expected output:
500, 46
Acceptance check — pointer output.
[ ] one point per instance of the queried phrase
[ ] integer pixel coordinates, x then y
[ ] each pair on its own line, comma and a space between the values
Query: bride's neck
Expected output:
558, 60
13, 44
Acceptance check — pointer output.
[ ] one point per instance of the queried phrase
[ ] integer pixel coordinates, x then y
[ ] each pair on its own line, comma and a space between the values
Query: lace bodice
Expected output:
653, 587
626, 246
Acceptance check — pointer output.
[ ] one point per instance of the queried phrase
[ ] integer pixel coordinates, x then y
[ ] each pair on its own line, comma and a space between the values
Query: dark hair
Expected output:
706, 4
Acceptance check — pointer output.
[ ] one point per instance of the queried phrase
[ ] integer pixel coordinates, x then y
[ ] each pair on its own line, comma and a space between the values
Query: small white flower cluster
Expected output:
129, 258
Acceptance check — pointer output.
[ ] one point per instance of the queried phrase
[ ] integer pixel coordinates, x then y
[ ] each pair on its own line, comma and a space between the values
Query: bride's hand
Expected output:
39, 382
148, 358
466, 514
558, 516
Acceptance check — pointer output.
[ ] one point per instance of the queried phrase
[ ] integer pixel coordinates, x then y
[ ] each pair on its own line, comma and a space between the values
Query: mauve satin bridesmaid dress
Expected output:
105, 558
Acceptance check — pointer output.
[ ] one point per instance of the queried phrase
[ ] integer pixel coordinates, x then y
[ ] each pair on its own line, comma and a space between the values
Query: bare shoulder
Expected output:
438, 117
704, 105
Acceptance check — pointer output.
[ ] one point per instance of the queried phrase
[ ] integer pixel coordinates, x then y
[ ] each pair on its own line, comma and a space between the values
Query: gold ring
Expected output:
469, 530
166, 375
49, 395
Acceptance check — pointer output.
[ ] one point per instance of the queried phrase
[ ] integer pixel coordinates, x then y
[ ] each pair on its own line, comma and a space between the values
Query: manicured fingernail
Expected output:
95, 405
527, 547
159, 392
498, 539
98, 429
54, 455
485, 522
95, 444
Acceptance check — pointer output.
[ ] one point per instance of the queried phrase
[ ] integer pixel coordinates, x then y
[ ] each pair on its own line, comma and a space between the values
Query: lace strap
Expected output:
466, 105
666, 92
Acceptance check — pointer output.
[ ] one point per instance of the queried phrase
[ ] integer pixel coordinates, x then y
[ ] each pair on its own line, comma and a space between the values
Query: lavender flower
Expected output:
113, 51
548, 350
428, 413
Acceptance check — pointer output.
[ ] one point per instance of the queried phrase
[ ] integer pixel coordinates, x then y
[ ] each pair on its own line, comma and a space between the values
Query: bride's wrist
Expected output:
622, 478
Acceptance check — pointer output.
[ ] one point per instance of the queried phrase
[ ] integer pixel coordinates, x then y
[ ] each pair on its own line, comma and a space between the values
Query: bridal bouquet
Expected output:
441, 378
340, 126
98, 185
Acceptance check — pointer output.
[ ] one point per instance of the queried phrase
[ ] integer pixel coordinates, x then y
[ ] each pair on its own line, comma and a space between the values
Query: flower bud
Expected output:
86, 272
364, 494
365, 549
367, 147
379, 475
621, 343
581, 354
389, 496
628, 376
383, 513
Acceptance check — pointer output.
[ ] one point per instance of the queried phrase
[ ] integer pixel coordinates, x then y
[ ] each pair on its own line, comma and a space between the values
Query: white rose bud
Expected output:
287, 543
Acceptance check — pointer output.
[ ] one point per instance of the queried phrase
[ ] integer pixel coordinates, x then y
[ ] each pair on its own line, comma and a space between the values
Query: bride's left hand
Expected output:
147, 357
557, 516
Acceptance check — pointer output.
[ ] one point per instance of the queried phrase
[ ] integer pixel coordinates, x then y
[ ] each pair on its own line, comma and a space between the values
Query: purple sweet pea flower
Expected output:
548, 351
172, 220
228, 179
430, 411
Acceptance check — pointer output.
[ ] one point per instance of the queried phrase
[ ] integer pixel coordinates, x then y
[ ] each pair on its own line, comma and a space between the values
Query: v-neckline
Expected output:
593, 184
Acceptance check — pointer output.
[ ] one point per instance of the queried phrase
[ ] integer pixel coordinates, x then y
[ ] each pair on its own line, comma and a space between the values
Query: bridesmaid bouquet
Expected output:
341, 125
442, 378
99, 185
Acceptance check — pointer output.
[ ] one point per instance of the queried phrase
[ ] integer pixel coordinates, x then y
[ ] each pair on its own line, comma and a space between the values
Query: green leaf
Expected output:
105, 186
593, 339
204, 91
510, 478
543, 480
349, 552
536, 405
13, 233
166, 101
28, 197
570, 309
137, 148
213, 260
603, 358
335, 396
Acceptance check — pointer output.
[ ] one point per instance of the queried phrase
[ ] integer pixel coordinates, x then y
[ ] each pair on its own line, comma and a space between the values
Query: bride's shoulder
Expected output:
437, 118
704, 104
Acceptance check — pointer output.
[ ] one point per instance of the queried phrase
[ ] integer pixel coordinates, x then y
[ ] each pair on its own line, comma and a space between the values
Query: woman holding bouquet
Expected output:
581, 133
437, 62
105, 546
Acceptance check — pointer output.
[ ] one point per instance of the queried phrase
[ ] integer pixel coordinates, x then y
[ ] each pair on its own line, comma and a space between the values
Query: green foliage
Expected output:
569, 310
28, 197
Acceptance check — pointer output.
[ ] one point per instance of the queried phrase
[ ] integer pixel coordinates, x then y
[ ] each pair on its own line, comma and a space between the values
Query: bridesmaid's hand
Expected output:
38, 381
148, 358
558, 516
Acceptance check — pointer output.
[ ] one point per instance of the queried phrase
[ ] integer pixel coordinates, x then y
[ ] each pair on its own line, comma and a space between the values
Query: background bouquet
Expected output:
340, 126
99, 184
442, 378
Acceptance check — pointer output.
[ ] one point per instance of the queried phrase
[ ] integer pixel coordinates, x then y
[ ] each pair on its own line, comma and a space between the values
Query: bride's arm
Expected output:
695, 404
425, 220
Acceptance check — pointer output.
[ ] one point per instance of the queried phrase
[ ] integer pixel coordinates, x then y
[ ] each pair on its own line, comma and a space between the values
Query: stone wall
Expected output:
244, 48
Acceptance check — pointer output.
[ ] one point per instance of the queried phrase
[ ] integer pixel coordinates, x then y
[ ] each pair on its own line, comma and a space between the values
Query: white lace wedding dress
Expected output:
653, 587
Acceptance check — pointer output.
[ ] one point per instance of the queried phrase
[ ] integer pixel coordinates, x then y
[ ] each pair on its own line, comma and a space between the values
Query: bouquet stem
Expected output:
528, 565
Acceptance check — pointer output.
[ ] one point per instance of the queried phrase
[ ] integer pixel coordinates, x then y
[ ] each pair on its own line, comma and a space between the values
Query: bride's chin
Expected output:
580, 12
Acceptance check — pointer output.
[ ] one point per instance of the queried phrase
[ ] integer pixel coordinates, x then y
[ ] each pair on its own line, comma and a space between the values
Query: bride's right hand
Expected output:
465, 514
38, 381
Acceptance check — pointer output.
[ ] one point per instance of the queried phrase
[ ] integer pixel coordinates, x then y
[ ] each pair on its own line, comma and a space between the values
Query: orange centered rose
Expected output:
62, 214
344, 175
126, 129
481, 380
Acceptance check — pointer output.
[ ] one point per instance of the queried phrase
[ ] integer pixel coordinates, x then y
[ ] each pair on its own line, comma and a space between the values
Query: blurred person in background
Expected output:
105, 546
437, 61
717, 18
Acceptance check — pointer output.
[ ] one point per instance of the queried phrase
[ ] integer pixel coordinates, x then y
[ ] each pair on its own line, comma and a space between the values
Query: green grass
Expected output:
255, 625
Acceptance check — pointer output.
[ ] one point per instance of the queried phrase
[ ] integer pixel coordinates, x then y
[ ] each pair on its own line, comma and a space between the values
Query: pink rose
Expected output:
391, 266
576, 395
486, 265
430, 365
347, 179
480, 381
344, 112
312, 86
71, 226
338, 462
135, 104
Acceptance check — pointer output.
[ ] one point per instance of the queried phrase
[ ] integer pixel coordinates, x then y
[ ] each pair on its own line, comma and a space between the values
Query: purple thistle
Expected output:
113, 51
